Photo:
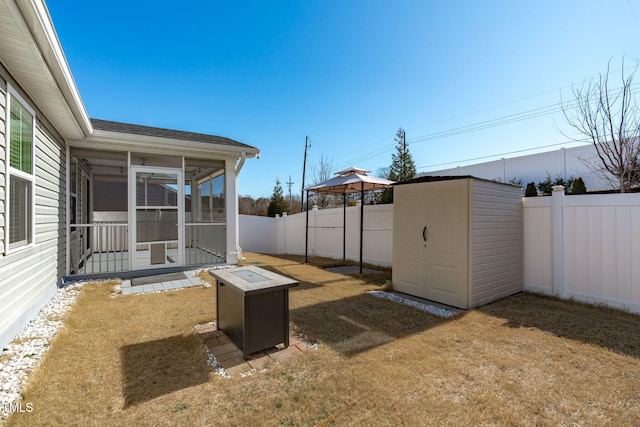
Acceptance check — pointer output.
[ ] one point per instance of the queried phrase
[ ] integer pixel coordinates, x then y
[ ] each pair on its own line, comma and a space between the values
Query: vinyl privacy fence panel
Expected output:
602, 249
286, 234
584, 247
538, 260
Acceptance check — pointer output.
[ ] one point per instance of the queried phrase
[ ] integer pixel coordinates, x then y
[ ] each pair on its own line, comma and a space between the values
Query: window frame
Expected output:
30, 220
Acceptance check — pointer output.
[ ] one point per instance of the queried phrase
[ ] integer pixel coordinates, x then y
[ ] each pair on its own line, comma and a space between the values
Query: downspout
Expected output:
239, 166
243, 157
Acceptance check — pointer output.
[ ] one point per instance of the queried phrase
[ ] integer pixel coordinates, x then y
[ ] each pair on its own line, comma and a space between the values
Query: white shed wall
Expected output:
496, 242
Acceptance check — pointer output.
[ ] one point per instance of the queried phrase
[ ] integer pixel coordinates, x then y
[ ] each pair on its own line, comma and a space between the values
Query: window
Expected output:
20, 173
211, 191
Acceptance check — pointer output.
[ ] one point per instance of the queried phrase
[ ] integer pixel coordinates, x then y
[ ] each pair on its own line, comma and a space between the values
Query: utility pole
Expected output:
404, 152
304, 168
290, 183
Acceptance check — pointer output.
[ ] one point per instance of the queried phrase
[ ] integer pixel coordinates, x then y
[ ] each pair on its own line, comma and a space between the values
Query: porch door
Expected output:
156, 217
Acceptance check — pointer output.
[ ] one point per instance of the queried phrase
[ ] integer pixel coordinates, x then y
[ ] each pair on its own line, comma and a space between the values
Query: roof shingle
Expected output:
110, 126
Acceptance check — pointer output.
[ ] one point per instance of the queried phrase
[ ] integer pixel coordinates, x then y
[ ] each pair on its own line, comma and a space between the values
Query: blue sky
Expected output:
346, 73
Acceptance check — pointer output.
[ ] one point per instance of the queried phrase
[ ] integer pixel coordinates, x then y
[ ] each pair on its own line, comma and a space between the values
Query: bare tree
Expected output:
245, 205
610, 120
322, 172
261, 206
248, 206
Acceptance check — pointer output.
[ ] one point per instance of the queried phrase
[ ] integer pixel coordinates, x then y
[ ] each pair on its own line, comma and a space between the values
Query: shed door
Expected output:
409, 249
430, 253
446, 243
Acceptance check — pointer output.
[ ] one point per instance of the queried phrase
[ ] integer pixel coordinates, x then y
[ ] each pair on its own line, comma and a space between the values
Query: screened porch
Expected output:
138, 211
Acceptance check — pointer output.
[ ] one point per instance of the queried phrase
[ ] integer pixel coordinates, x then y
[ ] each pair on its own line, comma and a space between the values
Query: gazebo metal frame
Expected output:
347, 181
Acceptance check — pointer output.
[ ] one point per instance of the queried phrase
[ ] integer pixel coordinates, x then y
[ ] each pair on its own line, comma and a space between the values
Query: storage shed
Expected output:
457, 240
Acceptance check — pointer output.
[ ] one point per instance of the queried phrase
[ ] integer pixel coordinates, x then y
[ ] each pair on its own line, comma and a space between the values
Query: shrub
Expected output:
578, 187
531, 190
545, 186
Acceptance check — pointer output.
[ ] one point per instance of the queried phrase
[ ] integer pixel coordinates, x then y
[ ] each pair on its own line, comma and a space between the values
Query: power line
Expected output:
503, 154
483, 125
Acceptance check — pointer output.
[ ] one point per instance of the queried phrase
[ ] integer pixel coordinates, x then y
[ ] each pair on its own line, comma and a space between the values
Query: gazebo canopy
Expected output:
350, 180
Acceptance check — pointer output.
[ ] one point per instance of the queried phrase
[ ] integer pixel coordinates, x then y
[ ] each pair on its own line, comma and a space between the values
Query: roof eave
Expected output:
154, 143
34, 57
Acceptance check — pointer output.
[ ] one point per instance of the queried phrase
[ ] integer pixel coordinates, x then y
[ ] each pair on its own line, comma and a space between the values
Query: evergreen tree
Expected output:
278, 203
578, 186
402, 165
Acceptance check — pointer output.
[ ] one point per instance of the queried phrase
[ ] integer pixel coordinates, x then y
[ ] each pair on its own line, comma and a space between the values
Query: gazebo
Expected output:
347, 181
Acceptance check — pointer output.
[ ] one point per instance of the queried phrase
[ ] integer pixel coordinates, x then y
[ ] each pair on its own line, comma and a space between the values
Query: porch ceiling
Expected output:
114, 163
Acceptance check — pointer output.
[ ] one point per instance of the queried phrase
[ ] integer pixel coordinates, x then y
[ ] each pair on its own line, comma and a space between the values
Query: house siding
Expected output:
29, 277
3, 127
496, 242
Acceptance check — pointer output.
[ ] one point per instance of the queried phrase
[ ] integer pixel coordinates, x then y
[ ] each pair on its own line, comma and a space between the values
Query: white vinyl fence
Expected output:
286, 234
583, 247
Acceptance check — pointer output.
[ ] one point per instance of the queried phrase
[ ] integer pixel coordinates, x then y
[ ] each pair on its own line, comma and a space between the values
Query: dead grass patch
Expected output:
523, 360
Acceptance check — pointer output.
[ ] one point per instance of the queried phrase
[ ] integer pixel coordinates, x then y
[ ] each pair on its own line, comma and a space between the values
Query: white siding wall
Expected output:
3, 130
496, 242
30, 276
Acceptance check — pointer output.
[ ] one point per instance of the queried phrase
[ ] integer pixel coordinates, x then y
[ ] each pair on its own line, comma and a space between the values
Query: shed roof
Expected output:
429, 178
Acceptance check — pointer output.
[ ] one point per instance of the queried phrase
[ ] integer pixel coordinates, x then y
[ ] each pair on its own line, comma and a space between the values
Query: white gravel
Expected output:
25, 352
436, 311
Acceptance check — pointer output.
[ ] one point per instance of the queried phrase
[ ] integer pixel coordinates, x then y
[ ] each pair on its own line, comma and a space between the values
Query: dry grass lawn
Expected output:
525, 360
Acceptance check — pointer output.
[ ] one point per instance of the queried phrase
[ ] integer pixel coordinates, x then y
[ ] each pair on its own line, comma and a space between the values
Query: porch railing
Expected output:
205, 242
101, 247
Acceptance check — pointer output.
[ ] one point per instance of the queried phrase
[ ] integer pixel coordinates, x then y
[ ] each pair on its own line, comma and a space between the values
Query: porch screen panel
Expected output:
156, 225
156, 207
212, 204
206, 234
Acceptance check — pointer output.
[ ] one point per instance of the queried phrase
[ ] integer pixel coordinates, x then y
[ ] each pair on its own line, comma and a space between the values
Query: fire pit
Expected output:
253, 307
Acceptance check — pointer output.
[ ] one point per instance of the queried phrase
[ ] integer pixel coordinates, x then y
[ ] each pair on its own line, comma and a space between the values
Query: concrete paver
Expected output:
230, 357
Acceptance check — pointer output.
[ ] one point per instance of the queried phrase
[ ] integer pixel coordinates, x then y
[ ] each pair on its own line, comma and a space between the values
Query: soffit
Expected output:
31, 52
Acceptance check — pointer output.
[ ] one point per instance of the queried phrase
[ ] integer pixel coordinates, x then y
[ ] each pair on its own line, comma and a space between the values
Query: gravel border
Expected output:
25, 352
436, 311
